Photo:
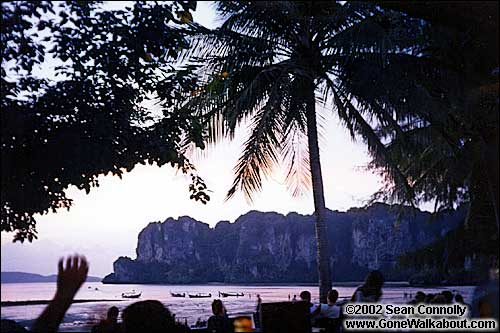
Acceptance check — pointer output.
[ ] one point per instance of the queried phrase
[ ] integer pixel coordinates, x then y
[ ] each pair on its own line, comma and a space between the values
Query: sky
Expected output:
104, 224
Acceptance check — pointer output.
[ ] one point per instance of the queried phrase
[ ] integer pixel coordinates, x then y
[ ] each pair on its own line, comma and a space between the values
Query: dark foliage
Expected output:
75, 80
444, 101
257, 66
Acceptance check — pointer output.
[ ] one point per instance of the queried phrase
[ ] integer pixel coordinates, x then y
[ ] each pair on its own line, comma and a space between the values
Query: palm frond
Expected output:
224, 104
295, 155
357, 125
261, 150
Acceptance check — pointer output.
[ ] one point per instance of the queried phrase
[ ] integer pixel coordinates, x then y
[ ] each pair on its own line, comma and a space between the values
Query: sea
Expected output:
81, 316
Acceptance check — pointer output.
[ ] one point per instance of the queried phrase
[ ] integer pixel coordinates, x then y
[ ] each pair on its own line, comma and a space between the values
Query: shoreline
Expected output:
274, 284
44, 302
260, 284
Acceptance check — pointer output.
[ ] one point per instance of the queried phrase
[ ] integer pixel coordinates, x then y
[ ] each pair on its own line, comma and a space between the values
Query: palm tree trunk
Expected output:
322, 254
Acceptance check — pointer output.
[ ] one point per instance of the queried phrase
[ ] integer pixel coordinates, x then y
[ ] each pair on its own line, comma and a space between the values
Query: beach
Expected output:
98, 297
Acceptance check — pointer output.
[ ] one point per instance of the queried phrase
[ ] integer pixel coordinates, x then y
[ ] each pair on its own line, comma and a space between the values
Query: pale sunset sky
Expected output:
104, 224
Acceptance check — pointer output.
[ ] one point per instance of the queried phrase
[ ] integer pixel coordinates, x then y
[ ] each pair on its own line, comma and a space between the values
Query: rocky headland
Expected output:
267, 247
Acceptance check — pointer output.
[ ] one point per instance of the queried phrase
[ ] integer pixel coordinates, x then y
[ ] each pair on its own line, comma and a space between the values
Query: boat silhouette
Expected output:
131, 294
200, 295
231, 294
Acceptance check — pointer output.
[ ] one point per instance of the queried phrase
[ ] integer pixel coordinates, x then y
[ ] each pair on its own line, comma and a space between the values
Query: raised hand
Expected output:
71, 276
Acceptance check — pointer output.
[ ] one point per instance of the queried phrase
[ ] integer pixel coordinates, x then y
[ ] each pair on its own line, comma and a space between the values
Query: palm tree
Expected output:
268, 65
448, 95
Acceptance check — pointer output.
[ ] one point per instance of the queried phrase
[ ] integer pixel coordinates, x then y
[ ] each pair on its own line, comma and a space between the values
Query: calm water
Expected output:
83, 316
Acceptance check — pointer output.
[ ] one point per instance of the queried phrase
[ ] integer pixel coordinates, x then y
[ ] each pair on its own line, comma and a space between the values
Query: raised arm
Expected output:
69, 280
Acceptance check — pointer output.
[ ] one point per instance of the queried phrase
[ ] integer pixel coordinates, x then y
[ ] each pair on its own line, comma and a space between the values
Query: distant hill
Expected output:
21, 277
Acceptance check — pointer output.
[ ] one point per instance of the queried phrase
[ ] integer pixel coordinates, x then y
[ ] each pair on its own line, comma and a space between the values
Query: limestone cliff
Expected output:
270, 247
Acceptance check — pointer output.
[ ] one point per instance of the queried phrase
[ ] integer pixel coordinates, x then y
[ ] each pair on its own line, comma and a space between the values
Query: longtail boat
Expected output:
231, 294
200, 295
131, 295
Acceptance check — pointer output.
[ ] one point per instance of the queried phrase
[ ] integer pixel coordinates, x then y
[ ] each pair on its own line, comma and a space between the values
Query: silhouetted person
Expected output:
328, 316
219, 322
329, 310
145, 316
428, 298
371, 290
419, 298
439, 299
294, 298
259, 302
256, 315
149, 316
448, 295
70, 278
200, 323
110, 324
306, 297
459, 299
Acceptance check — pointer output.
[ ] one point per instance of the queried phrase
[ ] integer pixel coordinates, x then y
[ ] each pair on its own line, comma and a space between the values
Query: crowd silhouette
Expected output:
110, 324
219, 322
152, 316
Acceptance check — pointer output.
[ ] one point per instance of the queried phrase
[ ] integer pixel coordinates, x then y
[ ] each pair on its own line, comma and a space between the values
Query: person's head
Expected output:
429, 297
112, 313
305, 296
217, 307
439, 299
459, 298
333, 296
147, 316
374, 280
448, 295
420, 296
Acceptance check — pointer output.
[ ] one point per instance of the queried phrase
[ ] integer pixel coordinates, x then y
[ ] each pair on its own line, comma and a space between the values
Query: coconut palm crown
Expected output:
268, 66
